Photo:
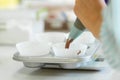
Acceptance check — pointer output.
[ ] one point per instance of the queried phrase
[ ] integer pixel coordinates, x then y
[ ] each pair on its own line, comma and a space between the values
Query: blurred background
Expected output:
21, 20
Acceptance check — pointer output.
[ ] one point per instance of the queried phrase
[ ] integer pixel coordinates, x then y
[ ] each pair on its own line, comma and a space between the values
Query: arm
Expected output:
89, 13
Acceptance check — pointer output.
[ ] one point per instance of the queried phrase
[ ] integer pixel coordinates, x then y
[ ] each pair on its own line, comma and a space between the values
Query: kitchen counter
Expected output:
13, 70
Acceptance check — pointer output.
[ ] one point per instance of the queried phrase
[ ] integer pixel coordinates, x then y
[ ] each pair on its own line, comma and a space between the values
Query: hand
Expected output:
68, 42
89, 13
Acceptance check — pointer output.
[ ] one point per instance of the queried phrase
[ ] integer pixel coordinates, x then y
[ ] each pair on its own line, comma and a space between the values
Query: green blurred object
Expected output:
39, 12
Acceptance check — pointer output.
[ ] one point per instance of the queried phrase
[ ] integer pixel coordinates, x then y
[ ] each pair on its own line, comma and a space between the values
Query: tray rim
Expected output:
49, 59
43, 59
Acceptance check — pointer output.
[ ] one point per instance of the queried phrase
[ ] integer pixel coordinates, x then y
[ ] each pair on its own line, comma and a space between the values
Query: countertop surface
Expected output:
13, 70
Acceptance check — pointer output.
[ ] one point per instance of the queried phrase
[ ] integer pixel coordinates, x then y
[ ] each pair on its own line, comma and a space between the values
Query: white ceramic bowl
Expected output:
33, 48
60, 51
53, 37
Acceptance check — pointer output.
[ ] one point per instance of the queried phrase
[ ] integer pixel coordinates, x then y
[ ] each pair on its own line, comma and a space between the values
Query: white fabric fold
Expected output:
110, 33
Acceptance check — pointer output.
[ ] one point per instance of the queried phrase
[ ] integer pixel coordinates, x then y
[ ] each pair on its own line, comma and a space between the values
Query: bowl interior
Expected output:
74, 50
85, 38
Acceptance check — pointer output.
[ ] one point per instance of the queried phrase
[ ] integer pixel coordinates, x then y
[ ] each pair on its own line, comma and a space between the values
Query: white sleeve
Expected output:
110, 32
